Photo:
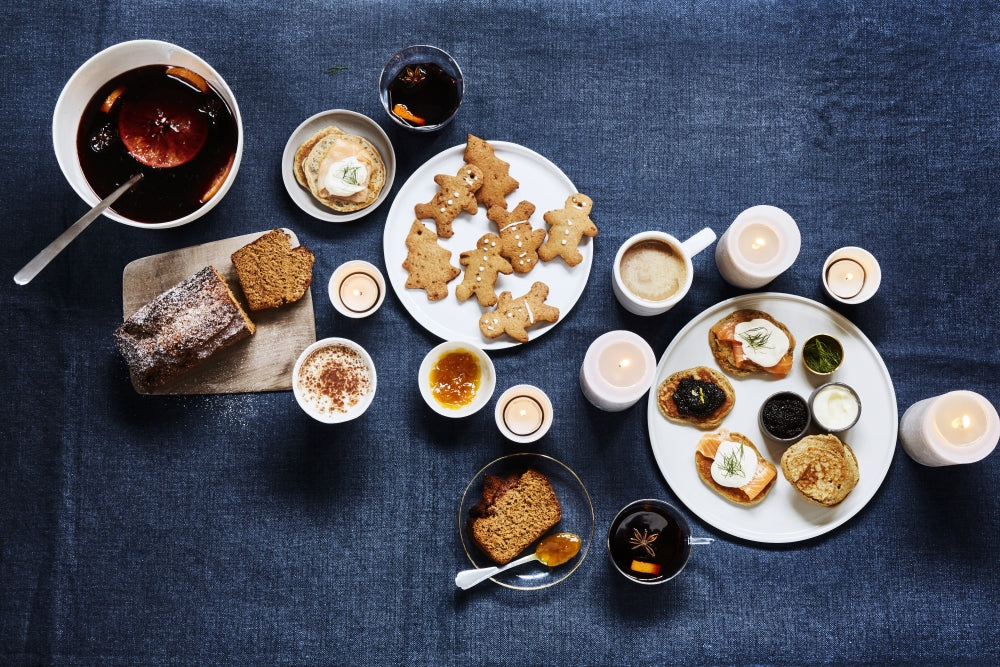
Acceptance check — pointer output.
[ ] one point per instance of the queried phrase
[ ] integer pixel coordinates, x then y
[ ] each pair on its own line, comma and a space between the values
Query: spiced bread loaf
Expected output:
514, 512
181, 329
271, 272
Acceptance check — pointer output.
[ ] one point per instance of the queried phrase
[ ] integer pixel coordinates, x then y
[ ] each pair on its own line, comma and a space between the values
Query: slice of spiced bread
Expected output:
514, 512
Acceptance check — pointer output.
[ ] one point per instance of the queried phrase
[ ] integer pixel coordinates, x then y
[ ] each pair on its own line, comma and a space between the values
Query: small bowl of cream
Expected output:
835, 407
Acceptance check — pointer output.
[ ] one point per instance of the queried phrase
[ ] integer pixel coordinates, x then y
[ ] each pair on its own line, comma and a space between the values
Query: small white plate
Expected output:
351, 123
543, 184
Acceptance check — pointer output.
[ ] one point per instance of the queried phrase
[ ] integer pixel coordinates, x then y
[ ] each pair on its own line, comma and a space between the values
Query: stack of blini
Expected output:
344, 172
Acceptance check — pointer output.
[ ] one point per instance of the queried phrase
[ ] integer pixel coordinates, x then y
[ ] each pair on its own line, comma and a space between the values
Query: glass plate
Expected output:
577, 517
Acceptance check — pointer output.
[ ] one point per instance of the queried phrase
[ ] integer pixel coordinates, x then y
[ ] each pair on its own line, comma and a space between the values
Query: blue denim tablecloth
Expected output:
233, 529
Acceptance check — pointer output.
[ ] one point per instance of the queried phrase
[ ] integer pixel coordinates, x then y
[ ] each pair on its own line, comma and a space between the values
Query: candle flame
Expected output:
965, 421
758, 243
624, 363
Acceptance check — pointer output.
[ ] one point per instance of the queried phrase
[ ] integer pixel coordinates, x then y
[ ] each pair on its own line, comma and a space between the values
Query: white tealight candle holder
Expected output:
957, 427
761, 244
851, 275
524, 413
617, 370
357, 289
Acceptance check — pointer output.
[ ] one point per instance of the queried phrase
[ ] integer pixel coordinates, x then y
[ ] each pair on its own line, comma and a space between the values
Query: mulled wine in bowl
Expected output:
154, 108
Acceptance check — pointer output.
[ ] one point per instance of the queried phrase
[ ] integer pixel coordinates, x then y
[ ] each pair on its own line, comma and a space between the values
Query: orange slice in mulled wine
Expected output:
162, 131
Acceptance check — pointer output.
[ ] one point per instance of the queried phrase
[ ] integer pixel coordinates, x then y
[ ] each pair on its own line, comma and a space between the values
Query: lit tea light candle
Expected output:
524, 413
760, 244
957, 427
851, 275
617, 370
357, 289
845, 278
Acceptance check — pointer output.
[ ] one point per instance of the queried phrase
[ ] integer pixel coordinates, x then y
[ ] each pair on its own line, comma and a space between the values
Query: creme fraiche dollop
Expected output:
835, 407
763, 343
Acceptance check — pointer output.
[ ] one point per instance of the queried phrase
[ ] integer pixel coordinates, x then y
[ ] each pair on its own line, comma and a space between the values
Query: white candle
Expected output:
359, 292
845, 278
851, 275
957, 427
760, 244
617, 370
357, 289
524, 413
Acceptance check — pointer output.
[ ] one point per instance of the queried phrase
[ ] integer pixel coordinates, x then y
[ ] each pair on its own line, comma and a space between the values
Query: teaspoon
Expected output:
554, 550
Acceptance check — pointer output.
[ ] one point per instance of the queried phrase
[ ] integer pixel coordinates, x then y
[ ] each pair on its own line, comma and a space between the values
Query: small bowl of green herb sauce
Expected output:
822, 354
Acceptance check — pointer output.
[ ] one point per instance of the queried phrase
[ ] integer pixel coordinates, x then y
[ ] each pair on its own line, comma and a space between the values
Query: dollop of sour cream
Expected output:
835, 407
346, 177
734, 464
763, 343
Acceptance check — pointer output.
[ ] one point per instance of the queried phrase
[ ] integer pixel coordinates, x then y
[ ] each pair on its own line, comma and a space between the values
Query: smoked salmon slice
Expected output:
708, 446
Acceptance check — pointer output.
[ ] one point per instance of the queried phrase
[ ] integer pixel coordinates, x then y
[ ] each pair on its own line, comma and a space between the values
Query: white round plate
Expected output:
544, 185
351, 123
577, 517
783, 516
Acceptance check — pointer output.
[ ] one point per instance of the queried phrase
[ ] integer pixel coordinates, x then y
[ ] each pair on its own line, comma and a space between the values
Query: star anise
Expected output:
643, 541
413, 74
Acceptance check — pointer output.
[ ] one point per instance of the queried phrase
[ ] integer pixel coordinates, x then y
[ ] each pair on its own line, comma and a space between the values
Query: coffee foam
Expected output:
653, 270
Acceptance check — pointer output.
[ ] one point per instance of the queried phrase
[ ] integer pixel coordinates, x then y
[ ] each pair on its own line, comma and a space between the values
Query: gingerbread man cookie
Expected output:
456, 194
497, 181
428, 264
482, 268
514, 316
518, 241
567, 226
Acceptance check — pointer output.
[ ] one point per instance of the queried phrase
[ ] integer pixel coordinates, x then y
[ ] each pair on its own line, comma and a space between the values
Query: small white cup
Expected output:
867, 277
356, 289
523, 413
684, 251
487, 379
322, 402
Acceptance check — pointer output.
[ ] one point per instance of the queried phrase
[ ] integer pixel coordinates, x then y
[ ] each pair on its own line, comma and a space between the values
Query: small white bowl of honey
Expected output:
456, 379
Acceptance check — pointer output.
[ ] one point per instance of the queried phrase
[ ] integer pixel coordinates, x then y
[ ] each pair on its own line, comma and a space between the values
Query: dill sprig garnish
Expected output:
757, 338
732, 463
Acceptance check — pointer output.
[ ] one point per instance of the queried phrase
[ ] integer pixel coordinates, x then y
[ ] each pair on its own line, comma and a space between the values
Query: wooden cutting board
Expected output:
262, 362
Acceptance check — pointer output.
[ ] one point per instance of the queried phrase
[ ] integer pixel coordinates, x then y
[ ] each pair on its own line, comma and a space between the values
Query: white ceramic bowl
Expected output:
487, 379
97, 71
334, 416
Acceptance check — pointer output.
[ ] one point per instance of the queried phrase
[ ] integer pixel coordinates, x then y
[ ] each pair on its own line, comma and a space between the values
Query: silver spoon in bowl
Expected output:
553, 550
41, 260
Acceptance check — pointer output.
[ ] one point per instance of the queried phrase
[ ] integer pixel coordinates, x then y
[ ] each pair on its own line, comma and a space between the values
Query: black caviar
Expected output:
784, 416
698, 398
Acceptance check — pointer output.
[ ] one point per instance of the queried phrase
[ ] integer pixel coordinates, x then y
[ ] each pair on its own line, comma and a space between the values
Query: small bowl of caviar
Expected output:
456, 379
421, 88
784, 416
822, 354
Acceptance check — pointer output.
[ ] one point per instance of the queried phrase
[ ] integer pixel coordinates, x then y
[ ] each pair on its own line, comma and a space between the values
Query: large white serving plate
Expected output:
544, 185
783, 516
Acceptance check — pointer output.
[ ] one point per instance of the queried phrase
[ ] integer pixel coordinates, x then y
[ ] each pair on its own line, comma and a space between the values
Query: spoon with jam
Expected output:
553, 550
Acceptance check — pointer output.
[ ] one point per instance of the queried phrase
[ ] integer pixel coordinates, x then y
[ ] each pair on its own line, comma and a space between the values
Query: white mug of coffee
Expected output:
653, 271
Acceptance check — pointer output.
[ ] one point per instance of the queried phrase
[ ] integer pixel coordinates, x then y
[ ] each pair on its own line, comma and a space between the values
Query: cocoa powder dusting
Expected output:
334, 379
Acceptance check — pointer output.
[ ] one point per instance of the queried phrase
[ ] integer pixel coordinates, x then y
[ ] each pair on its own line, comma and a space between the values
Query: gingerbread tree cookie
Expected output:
482, 268
518, 241
497, 181
567, 226
428, 264
456, 194
513, 316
